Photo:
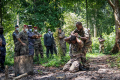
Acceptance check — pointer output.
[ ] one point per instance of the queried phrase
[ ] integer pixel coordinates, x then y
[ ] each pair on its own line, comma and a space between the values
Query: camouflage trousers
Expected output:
101, 48
17, 49
64, 51
24, 50
38, 50
85, 50
74, 63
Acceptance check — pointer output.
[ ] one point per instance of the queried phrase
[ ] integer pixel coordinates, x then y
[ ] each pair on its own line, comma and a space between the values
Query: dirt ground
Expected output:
99, 70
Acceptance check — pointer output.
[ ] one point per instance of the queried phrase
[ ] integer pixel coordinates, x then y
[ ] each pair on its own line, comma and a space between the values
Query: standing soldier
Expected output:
31, 40
80, 33
101, 41
62, 42
2, 50
75, 63
37, 45
16, 42
23, 39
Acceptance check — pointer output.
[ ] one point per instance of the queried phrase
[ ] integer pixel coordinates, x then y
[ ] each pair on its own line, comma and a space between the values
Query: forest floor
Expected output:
100, 69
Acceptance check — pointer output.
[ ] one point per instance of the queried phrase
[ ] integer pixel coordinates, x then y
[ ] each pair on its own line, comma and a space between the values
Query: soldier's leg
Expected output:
36, 53
90, 49
41, 51
64, 51
67, 65
23, 50
75, 66
100, 49
85, 62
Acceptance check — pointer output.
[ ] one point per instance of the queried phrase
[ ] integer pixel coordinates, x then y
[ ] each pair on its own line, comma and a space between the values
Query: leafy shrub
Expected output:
109, 43
9, 48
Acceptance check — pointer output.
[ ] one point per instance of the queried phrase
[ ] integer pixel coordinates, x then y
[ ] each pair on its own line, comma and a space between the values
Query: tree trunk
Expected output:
23, 64
115, 5
17, 19
95, 30
86, 13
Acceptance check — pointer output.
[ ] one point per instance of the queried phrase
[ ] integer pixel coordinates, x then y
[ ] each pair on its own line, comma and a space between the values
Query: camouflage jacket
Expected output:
37, 41
88, 42
80, 32
101, 39
62, 42
75, 49
23, 36
15, 36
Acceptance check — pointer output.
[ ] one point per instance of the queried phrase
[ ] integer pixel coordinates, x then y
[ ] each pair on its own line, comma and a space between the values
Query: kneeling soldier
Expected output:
75, 63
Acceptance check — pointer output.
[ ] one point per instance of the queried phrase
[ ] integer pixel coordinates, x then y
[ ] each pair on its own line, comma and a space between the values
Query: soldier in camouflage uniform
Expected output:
88, 42
101, 41
37, 45
16, 42
75, 63
61, 39
23, 39
80, 33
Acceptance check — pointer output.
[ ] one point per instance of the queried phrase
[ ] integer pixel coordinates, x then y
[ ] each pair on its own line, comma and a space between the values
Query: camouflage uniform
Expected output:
76, 58
88, 42
17, 43
101, 47
24, 50
62, 42
38, 47
84, 50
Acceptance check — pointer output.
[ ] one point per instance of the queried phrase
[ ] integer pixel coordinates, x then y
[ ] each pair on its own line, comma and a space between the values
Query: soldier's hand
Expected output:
0, 42
76, 34
23, 44
37, 36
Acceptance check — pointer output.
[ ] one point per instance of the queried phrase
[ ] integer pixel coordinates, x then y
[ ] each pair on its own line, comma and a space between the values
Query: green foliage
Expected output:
57, 40
93, 55
42, 13
56, 61
108, 44
70, 20
9, 60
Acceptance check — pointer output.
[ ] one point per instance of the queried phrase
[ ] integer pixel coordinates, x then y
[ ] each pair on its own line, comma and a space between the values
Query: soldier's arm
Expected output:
79, 42
38, 36
31, 35
62, 35
18, 38
0, 42
67, 39
101, 40
72, 33
83, 38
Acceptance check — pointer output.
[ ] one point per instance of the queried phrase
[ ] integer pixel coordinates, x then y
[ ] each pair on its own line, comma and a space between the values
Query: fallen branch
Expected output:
20, 76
